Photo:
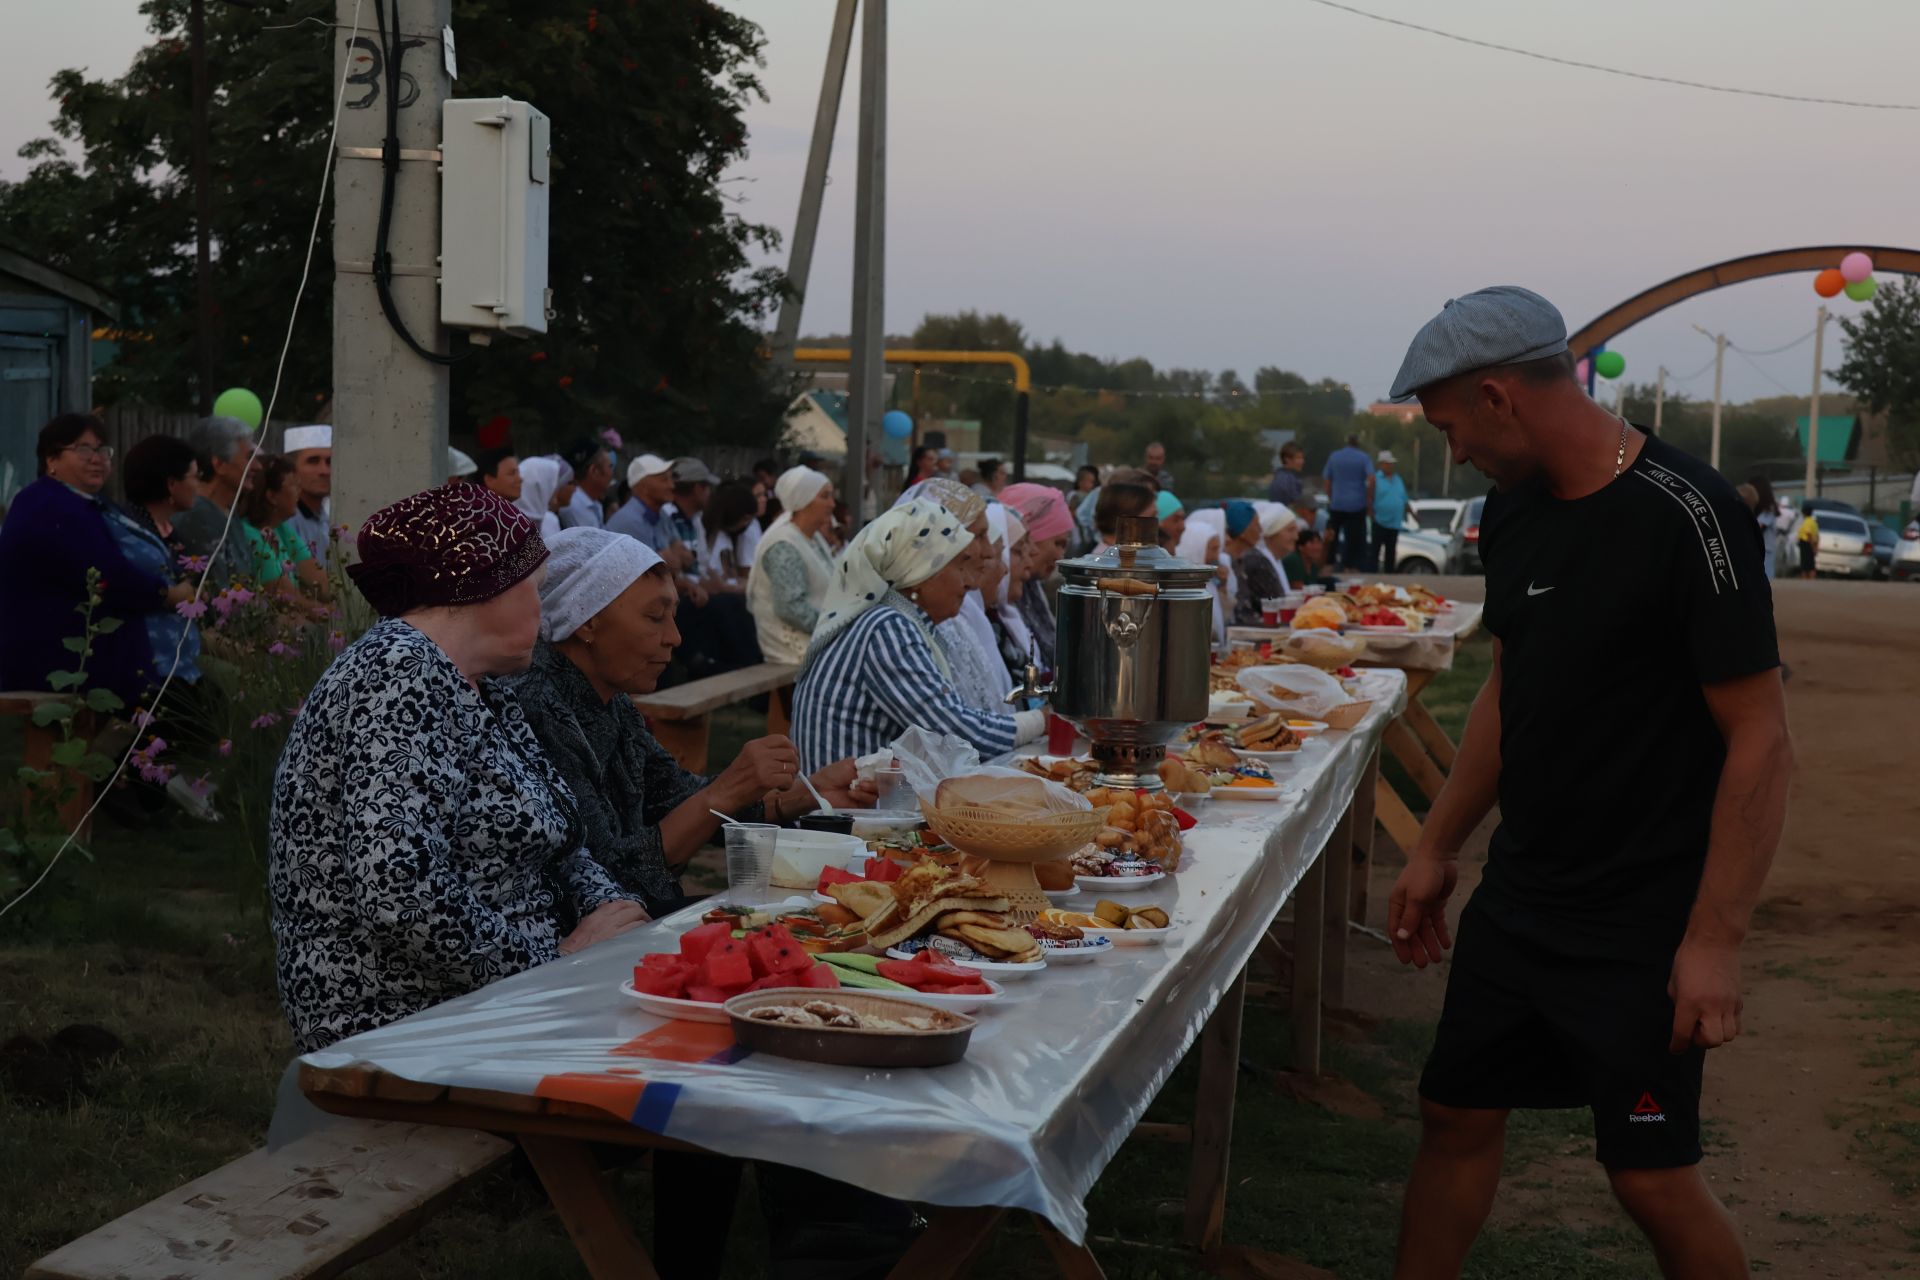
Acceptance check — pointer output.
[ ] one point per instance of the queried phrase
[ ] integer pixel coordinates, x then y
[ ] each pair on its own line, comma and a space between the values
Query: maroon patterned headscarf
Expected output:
458, 545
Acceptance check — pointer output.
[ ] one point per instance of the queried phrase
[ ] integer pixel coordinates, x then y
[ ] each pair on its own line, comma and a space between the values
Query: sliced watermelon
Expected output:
707, 995
666, 961
660, 982
695, 943
884, 870
770, 981
966, 989
821, 975
835, 875
724, 968
906, 972
942, 969
777, 951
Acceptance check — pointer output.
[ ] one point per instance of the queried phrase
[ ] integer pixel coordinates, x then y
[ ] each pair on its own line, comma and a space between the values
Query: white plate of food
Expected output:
1123, 937
1273, 792
879, 822
952, 1004
680, 1010
1288, 756
1082, 951
1118, 884
990, 967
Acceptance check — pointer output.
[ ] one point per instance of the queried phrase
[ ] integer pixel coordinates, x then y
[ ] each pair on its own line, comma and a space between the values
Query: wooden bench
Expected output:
313, 1208
680, 716
38, 747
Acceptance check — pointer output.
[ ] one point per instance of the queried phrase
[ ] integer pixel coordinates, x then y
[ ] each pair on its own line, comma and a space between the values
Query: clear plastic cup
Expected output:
892, 791
749, 861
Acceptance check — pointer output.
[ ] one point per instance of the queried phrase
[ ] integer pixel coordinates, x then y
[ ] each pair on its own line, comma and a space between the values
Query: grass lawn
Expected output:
160, 941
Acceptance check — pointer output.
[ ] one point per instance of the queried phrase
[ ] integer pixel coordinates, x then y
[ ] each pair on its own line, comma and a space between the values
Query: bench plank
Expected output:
311, 1209
698, 697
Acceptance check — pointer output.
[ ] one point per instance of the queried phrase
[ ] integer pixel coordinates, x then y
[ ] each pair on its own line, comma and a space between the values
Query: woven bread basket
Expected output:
988, 833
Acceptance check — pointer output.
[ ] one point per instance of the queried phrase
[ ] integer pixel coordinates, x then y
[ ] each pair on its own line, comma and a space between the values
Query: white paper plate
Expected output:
870, 822
1250, 793
1058, 955
1118, 884
995, 967
1132, 937
1268, 757
681, 1010
952, 1004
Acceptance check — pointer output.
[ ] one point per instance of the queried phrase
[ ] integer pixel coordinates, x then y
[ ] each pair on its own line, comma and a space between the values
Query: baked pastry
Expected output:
1056, 875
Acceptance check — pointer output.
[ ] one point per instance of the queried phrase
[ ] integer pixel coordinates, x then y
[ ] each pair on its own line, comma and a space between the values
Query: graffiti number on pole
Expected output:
369, 72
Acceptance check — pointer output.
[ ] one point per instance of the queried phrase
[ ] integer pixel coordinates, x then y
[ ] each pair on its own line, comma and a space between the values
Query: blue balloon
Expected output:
897, 424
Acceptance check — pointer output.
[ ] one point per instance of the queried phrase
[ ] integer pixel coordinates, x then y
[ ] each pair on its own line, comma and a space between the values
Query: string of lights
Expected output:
1617, 71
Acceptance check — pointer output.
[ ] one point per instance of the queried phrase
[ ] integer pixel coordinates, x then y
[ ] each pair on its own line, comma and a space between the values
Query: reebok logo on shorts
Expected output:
1647, 1111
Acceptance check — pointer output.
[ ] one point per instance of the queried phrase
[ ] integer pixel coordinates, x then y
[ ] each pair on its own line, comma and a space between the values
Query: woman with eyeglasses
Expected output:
59, 528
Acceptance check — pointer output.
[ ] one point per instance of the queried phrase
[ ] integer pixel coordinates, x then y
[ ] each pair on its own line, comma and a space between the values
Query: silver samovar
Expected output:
1135, 636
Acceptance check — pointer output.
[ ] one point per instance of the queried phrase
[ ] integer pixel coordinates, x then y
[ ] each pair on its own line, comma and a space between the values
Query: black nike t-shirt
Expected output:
1612, 611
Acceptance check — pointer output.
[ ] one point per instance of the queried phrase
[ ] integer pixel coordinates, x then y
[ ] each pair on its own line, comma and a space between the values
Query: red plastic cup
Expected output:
1269, 617
1061, 735
1286, 616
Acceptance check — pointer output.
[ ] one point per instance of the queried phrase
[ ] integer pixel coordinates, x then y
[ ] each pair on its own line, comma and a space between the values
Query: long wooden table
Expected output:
558, 1128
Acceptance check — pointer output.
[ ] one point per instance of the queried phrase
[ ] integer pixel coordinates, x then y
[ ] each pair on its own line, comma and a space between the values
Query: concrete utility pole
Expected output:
1813, 407
869, 257
390, 407
202, 214
1719, 363
813, 187
1659, 398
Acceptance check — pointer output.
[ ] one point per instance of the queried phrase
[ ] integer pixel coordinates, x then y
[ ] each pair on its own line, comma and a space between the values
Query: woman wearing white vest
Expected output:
793, 566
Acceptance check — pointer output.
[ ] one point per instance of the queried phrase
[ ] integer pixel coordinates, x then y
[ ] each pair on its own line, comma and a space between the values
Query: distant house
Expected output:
817, 423
47, 319
1406, 413
1839, 441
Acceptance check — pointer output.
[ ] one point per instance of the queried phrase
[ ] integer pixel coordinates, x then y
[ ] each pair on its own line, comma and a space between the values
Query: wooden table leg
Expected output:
593, 1219
1338, 861
949, 1244
1414, 759
1309, 933
685, 740
1075, 1261
1213, 1119
1365, 797
1431, 735
1395, 816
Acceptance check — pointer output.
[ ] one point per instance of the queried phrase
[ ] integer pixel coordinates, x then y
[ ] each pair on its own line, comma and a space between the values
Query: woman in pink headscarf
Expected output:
1049, 524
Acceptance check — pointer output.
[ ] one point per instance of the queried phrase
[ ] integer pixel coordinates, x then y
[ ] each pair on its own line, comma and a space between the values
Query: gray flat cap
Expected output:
692, 471
1502, 325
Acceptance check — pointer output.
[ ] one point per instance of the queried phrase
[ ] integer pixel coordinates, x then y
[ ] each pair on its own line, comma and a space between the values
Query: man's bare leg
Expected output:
1693, 1235
1451, 1190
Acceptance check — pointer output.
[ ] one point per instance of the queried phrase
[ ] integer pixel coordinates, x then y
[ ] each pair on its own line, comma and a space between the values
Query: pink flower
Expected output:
156, 745
191, 608
336, 640
201, 787
142, 718
226, 747
157, 774
266, 720
279, 649
239, 595
612, 439
194, 564
293, 712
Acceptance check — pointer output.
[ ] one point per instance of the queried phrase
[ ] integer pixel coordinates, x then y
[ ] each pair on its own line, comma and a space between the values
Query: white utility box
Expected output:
493, 216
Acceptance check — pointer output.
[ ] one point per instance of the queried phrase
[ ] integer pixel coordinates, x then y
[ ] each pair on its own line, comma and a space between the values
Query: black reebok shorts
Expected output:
1527, 1027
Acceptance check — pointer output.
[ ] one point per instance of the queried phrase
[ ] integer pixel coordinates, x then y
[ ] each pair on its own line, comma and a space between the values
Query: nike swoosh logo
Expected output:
1537, 591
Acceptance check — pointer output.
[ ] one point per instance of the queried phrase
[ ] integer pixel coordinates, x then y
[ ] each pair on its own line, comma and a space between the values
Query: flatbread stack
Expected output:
931, 898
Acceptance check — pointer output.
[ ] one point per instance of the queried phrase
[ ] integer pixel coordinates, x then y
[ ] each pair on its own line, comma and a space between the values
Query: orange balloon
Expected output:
1829, 282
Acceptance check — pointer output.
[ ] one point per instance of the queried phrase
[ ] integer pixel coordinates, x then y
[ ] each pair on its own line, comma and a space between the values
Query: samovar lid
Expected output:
1136, 553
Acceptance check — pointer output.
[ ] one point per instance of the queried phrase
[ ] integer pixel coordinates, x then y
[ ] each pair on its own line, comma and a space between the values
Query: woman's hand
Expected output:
763, 765
843, 787
603, 922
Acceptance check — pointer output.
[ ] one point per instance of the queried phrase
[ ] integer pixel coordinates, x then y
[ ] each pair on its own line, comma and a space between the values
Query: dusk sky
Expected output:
1232, 183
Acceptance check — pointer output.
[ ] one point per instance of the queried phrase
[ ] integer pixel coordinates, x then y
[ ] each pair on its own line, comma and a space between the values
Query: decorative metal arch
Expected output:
1733, 271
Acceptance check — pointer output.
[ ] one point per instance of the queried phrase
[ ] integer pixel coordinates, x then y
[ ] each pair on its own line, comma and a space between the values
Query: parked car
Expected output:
1470, 561
1845, 548
1426, 551
1906, 556
1884, 542
1833, 504
1451, 516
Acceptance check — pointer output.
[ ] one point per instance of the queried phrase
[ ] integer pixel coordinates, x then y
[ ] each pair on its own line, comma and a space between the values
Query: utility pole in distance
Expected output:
390, 407
869, 258
1659, 398
202, 214
1719, 360
1813, 406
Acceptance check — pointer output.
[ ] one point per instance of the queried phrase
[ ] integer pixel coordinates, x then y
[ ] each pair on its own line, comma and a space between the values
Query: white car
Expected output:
1457, 517
1906, 555
1845, 548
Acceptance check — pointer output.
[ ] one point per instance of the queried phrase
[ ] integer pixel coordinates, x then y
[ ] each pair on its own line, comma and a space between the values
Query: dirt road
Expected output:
1813, 1129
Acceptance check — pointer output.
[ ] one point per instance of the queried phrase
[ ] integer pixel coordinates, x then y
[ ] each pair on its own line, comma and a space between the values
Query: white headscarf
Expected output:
1003, 608
898, 551
539, 481
1274, 518
1203, 526
965, 504
586, 569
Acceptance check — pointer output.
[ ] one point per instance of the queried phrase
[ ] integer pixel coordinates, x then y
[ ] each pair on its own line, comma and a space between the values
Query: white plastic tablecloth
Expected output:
1429, 650
1059, 1070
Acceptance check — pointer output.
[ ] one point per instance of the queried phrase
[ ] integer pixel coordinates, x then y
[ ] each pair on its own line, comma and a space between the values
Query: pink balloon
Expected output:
1581, 370
1856, 267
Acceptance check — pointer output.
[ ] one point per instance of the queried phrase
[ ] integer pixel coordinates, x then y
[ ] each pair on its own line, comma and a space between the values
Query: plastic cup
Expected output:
1061, 735
891, 789
749, 861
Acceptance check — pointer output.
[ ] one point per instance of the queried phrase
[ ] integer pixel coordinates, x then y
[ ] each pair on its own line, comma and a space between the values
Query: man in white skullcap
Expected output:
310, 450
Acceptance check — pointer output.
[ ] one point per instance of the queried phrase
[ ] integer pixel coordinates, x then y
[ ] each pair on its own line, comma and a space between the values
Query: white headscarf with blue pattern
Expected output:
897, 552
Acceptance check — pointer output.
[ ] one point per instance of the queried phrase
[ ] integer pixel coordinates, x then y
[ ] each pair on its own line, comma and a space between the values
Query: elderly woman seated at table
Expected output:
421, 845
793, 566
875, 668
971, 647
1261, 575
1043, 512
608, 607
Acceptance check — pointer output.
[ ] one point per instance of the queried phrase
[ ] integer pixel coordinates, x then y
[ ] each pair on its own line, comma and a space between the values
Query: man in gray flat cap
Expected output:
1633, 732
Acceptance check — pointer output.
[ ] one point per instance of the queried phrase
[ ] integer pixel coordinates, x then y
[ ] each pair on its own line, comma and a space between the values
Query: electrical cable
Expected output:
105, 789
1772, 351
1617, 71
390, 56
1763, 373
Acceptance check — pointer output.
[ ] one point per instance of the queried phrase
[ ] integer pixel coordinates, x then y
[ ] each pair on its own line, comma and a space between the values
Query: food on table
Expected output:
1090, 860
737, 916
1371, 595
832, 913
1251, 773
827, 1014
1055, 876
1049, 931
1268, 733
713, 966
1322, 612
931, 973
1069, 919
1111, 915
1077, 774
863, 897
991, 934
1012, 799
858, 969
1179, 776
1384, 616
1211, 751
1140, 829
1327, 650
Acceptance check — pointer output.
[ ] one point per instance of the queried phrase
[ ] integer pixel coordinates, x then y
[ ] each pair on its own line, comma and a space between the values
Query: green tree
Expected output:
1882, 364
658, 326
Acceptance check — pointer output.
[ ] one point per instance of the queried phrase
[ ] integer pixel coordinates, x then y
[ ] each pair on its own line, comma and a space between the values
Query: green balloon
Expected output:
1609, 364
238, 402
1861, 290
